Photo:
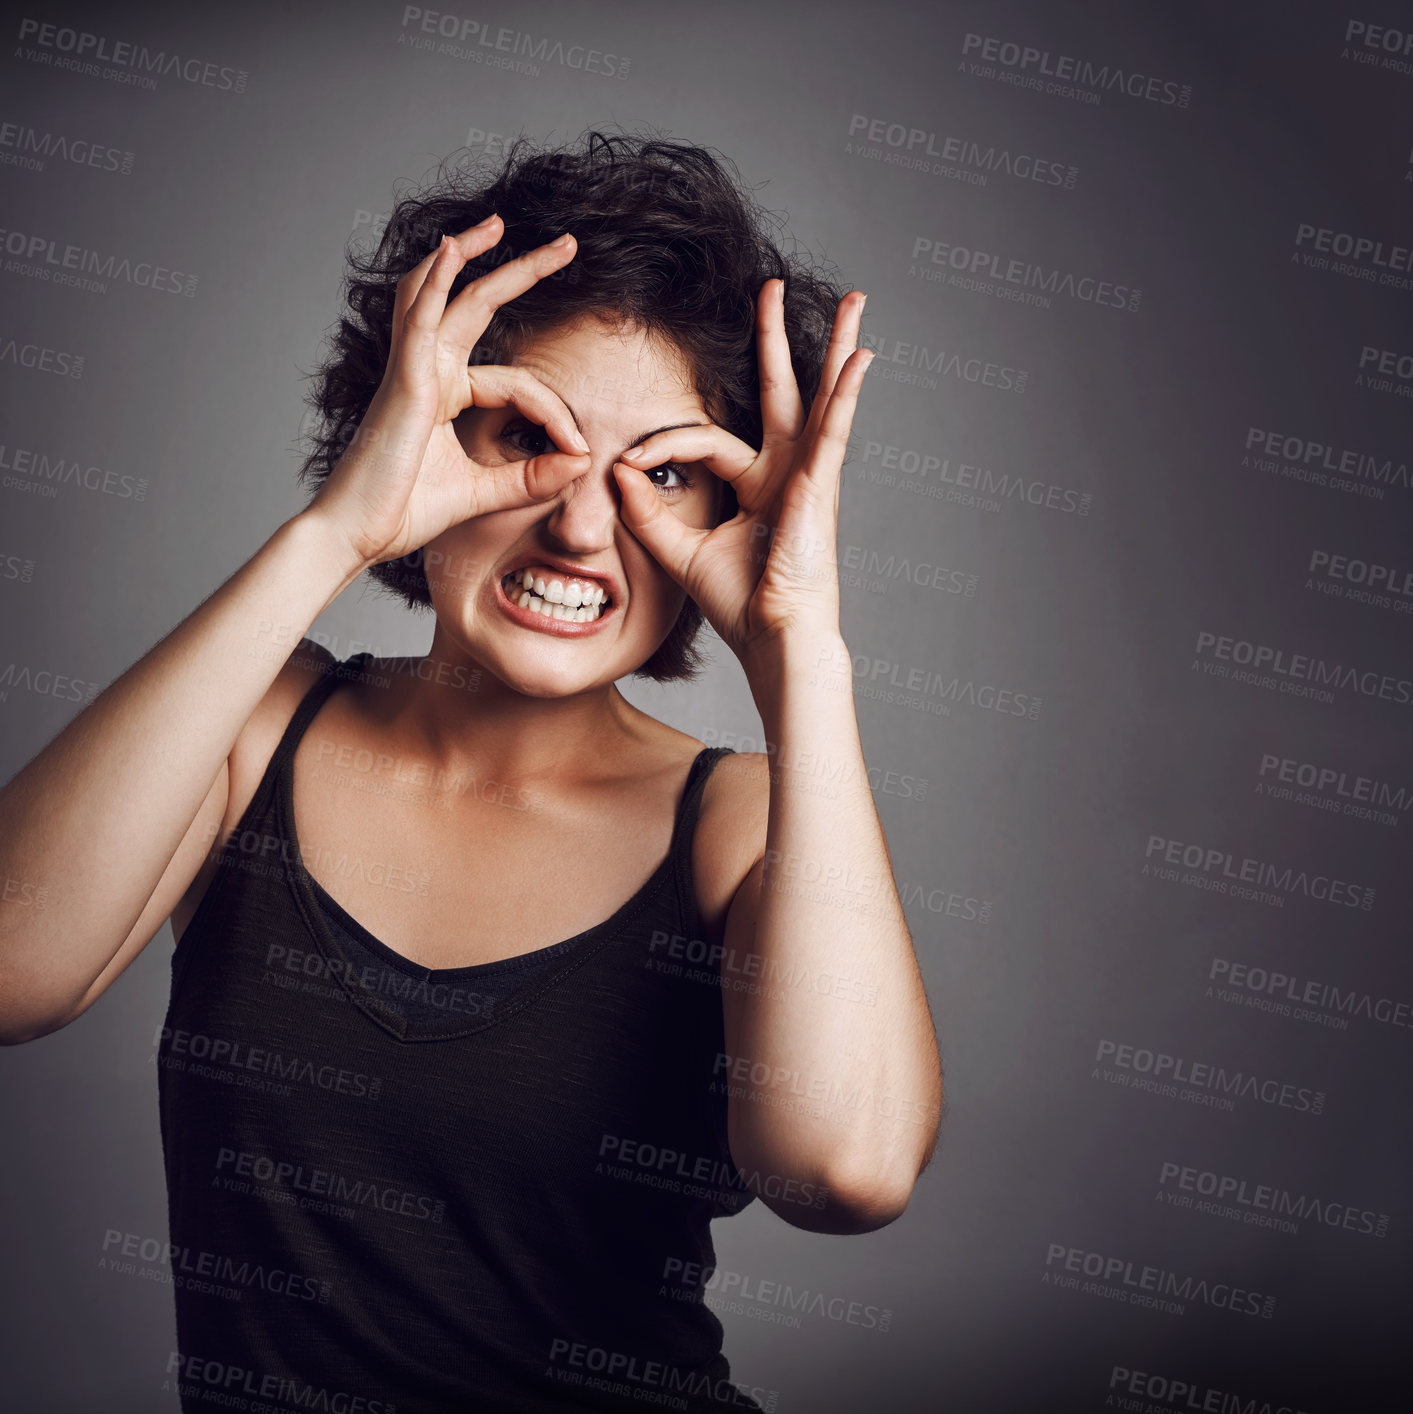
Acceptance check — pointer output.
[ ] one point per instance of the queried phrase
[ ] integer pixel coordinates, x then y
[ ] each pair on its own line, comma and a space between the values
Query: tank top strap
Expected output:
262, 813
684, 829
334, 673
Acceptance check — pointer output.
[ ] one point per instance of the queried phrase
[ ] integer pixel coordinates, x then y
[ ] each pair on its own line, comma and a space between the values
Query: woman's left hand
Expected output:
769, 570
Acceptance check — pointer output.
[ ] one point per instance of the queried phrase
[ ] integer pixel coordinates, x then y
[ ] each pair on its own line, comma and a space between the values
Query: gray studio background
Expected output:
1130, 526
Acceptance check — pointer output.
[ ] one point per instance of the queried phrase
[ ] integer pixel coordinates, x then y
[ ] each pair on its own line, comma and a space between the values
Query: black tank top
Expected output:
474, 1188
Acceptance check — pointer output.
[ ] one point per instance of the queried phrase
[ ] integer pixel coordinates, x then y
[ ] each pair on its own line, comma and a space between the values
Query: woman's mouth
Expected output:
555, 597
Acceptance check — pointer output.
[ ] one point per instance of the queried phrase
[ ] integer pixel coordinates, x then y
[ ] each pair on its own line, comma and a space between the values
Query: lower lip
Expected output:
528, 618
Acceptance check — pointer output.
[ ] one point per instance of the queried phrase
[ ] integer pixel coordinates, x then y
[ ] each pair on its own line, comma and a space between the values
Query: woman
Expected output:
491, 991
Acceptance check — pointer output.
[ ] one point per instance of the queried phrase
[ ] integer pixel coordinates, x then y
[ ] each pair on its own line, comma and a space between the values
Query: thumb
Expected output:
669, 542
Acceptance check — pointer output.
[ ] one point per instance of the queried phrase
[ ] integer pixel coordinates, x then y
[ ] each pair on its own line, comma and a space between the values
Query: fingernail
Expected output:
579, 442
486, 222
560, 240
634, 451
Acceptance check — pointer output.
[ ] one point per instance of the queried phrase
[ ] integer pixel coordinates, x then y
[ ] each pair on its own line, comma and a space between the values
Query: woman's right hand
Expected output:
405, 476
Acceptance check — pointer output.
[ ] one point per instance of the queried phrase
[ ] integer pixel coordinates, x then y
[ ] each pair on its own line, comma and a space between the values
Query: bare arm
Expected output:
832, 1073
138, 782
832, 1064
110, 824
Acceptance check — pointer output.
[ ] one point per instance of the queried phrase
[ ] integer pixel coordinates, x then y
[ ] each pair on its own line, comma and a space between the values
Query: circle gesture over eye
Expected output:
405, 477
771, 567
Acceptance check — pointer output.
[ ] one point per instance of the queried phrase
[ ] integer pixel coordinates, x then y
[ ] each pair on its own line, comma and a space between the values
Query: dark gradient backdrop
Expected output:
1134, 451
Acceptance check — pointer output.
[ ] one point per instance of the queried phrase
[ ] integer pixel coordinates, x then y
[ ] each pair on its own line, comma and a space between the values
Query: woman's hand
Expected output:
770, 568
405, 477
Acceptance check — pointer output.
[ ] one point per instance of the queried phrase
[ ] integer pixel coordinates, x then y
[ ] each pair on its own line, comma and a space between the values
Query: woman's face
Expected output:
620, 387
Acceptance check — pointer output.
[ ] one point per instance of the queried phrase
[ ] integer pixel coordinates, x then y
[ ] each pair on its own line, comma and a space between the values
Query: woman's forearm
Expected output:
89, 826
836, 1047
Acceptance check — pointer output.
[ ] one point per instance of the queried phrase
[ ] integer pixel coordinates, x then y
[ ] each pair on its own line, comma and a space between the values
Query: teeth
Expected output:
573, 602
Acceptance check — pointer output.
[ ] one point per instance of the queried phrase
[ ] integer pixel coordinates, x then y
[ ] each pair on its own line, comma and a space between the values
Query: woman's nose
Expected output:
586, 511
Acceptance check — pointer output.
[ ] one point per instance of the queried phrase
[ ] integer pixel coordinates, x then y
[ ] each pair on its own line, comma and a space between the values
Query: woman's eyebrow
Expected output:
642, 436
671, 427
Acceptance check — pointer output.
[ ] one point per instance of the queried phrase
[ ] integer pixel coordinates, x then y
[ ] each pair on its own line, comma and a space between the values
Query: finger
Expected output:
781, 407
843, 339
724, 455
481, 488
493, 385
525, 483
450, 255
470, 312
824, 459
671, 543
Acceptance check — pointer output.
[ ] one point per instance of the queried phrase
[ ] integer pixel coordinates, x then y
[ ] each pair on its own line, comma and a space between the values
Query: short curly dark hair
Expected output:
669, 242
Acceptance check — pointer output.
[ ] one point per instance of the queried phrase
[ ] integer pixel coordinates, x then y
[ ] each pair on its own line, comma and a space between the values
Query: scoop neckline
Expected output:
581, 947
465, 973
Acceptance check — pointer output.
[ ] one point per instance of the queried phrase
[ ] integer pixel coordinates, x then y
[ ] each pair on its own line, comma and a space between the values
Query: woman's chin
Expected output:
548, 680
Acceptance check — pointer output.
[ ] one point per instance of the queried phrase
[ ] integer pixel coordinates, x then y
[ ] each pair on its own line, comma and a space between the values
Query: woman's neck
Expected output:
459, 716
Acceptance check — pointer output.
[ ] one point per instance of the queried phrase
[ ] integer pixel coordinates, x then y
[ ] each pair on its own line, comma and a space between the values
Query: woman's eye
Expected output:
676, 477
528, 439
